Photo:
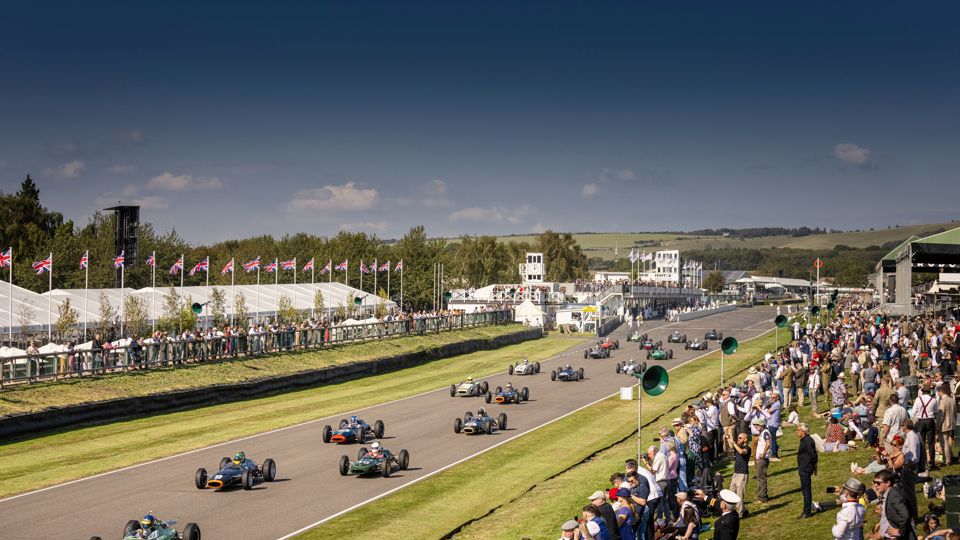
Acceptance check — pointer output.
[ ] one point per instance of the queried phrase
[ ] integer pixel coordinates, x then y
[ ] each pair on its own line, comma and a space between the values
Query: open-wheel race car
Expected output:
156, 529
660, 354
524, 367
649, 344
508, 394
596, 352
376, 460
696, 344
629, 367
714, 335
567, 374
609, 343
238, 471
636, 336
469, 388
480, 423
353, 430
677, 337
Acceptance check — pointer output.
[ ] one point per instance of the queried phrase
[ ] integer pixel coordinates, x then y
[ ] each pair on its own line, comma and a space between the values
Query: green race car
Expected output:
375, 461
159, 530
660, 354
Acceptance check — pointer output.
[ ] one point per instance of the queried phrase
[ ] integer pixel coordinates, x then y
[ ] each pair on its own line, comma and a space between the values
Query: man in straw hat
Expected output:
849, 525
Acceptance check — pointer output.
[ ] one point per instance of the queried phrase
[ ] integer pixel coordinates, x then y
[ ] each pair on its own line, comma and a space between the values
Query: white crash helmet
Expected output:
375, 447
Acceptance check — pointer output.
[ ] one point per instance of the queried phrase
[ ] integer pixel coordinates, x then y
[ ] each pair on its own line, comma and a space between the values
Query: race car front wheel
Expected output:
378, 428
191, 532
201, 478
247, 480
344, 465
269, 470
404, 459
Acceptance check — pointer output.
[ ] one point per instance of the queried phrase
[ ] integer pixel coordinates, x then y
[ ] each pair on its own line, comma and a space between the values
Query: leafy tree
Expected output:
713, 282
240, 309
107, 315
218, 306
26, 315
286, 312
135, 315
67, 317
381, 310
419, 254
351, 304
318, 303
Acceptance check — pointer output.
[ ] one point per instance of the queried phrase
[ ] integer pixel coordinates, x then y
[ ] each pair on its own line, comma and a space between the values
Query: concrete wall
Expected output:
705, 313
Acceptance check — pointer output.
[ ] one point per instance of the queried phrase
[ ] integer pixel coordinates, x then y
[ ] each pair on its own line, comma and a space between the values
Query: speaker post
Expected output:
727, 346
652, 381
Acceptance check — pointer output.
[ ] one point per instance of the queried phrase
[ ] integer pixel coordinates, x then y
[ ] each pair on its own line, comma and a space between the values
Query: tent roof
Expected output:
528, 309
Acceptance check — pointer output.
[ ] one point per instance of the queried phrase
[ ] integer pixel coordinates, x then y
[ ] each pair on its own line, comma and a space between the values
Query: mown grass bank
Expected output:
530, 485
27, 398
67, 455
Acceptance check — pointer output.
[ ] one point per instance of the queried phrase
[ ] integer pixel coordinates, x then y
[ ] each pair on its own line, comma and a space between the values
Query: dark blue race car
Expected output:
508, 395
237, 472
567, 374
353, 430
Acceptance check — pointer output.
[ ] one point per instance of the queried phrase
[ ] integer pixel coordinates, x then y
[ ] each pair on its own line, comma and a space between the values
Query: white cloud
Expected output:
345, 197
131, 135
66, 170
184, 182
852, 153
120, 168
493, 214
435, 187
378, 226
589, 190
432, 194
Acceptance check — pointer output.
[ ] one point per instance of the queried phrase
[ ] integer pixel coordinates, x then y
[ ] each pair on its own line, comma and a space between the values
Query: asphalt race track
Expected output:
309, 488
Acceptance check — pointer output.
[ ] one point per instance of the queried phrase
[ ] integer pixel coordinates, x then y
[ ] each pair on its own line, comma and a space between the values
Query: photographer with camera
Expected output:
849, 524
896, 520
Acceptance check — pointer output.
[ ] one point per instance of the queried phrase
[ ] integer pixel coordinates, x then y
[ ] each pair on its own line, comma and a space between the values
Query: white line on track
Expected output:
485, 450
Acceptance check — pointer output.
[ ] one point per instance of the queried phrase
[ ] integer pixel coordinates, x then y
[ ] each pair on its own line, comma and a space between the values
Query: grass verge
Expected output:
66, 455
34, 397
528, 486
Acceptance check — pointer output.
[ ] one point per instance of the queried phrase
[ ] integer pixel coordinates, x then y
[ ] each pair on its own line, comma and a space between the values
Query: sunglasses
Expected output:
878, 483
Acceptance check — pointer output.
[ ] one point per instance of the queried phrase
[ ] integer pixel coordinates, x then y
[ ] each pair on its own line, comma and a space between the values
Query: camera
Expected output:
832, 489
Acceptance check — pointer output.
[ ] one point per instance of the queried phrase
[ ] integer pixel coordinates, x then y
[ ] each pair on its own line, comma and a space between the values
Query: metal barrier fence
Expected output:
170, 352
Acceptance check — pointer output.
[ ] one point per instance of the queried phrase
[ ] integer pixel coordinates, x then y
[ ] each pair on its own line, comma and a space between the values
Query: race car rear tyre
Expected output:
269, 470
488, 397
488, 426
536, 367
223, 462
510, 369
360, 436
525, 393
457, 425
586, 354
344, 465
379, 428
131, 528
686, 346
581, 374
517, 398
502, 421
670, 354
247, 479
553, 375
200, 479
344, 423
453, 390
95, 538
619, 368
361, 452
404, 459
191, 532
484, 387
327, 433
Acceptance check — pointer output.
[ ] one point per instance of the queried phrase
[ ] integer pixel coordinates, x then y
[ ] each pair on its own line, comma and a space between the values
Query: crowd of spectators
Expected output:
586, 285
869, 381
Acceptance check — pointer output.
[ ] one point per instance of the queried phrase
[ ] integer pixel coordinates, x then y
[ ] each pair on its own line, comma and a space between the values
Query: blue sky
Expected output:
506, 117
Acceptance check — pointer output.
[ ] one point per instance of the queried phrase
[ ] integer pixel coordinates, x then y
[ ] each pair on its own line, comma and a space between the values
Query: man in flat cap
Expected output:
849, 525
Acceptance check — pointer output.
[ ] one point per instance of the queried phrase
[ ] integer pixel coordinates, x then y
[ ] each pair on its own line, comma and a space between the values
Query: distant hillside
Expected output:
602, 244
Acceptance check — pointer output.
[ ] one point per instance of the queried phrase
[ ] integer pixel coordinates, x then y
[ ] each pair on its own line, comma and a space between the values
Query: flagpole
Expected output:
50, 302
183, 270
346, 272
330, 272
10, 304
233, 290
401, 285
276, 288
360, 271
388, 279
376, 275
258, 293
86, 287
122, 268
207, 291
153, 295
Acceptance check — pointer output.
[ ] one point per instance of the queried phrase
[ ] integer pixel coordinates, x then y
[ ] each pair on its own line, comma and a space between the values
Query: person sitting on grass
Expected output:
836, 439
894, 459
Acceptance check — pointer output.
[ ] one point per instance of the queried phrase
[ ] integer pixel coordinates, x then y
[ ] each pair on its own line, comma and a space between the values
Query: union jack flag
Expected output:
385, 267
202, 265
272, 267
119, 260
252, 265
177, 266
227, 267
289, 265
85, 260
309, 265
152, 260
399, 266
6, 258
45, 265
344, 265
363, 268
327, 268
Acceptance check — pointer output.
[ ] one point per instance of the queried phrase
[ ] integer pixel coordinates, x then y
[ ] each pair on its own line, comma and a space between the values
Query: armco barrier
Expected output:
705, 313
25, 424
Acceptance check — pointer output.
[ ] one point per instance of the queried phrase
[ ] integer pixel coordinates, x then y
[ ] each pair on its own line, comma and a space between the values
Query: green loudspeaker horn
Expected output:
729, 345
831, 306
447, 295
655, 380
781, 321
815, 310
197, 308
357, 301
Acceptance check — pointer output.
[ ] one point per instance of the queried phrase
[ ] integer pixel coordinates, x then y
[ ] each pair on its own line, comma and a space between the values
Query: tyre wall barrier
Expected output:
126, 408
